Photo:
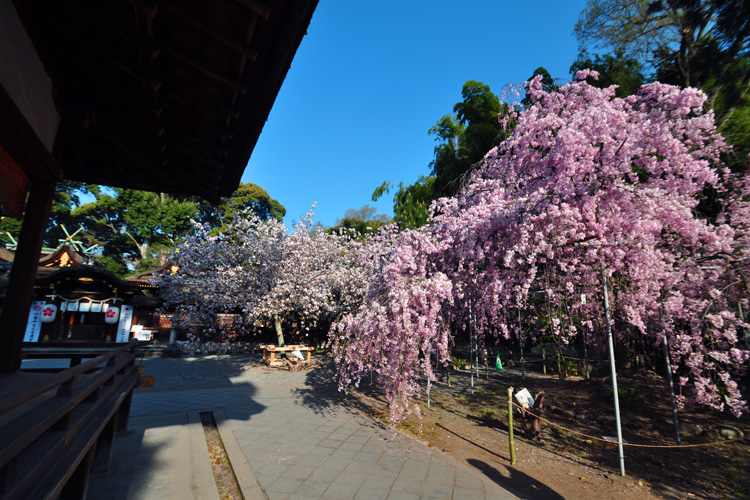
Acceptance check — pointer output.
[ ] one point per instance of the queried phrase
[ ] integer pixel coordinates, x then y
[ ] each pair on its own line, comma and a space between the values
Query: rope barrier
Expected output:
698, 445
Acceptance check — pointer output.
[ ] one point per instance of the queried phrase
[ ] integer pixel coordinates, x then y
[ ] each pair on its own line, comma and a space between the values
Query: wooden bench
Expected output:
273, 349
55, 428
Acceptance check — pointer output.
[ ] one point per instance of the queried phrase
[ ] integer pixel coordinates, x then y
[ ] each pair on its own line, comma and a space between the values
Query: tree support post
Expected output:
614, 374
23, 274
510, 427
671, 391
279, 332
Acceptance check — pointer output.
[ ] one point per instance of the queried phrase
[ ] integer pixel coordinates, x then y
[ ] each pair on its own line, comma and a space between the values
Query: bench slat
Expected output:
22, 431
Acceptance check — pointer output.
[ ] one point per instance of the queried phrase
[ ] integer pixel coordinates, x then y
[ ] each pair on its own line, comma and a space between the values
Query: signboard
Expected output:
126, 319
34, 325
144, 335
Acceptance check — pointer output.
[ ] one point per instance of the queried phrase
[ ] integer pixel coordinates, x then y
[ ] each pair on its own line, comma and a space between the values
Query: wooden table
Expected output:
273, 349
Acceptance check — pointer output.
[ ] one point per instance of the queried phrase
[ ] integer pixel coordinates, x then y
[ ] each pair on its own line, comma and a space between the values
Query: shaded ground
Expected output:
473, 429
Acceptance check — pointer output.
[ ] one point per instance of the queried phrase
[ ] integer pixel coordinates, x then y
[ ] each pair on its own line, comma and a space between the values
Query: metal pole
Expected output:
471, 346
520, 343
585, 348
614, 374
671, 391
585, 354
510, 427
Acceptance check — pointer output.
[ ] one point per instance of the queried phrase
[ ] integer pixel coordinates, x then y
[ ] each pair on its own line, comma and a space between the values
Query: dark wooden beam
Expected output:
23, 144
197, 23
258, 7
189, 137
148, 8
138, 41
201, 95
23, 274
154, 83
155, 109
141, 132
199, 159
200, 121
184, 142
135, 154
215, 74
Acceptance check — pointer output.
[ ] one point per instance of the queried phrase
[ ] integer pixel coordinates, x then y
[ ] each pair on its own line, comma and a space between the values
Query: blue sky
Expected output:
369, 80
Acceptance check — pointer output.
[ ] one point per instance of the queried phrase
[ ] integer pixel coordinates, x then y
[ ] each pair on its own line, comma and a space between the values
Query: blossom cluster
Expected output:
262, 272
587, 185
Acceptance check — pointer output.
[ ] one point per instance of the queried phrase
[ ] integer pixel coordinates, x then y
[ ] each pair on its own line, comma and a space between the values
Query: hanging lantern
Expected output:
112, 315
49, 313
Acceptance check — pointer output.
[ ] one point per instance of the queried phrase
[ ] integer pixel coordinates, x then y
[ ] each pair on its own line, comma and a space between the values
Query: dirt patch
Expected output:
570, 461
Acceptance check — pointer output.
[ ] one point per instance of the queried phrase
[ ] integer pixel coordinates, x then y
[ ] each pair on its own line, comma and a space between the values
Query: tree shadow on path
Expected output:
521, 484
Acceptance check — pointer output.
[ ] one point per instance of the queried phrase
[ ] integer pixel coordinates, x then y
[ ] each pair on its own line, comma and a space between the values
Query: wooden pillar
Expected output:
78, 483
123, 414
23, 274
105, 445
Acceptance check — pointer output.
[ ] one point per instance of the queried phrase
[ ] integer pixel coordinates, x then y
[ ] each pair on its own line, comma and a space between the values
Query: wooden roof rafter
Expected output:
140, 78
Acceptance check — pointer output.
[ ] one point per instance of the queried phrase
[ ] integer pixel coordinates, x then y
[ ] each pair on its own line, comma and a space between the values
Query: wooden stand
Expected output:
273, 349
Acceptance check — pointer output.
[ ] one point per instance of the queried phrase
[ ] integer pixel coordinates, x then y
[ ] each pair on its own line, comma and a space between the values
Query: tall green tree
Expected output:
67, 196
364, 221
614, 69
248, 197
465, 136
697, 43
136, 229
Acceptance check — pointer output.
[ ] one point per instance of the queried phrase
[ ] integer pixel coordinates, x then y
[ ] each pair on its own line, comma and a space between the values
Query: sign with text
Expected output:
126, 319
34, 325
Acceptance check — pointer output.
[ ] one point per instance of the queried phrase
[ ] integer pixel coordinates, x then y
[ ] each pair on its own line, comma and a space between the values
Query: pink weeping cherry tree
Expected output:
587, 184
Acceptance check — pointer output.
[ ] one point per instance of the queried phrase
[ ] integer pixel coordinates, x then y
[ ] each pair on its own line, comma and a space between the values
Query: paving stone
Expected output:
311, 488
371, 494
352, 478
298, 472
468, 483
464, 494
402, 495
407, 486
335, 463
325, 475
356, 466
437, 491
284, 485
338, 491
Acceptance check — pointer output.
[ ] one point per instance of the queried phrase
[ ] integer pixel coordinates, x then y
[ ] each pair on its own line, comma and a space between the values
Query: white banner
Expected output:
34, 326
126, 319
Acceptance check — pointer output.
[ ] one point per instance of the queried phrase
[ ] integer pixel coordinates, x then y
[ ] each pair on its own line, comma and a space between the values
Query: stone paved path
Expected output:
301, 440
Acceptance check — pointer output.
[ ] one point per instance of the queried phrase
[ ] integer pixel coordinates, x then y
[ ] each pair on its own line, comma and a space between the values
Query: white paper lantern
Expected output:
112, 315
49, 313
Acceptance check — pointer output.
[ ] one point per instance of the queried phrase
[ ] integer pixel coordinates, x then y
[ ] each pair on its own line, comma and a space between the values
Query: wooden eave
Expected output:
163, 95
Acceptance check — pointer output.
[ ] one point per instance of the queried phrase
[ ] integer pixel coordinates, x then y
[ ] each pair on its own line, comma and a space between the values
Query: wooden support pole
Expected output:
105, 445
510, 427
78, 484
23, 274
123, 414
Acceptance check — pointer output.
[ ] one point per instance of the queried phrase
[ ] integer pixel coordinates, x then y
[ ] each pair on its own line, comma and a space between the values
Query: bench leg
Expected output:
105, 445
78, 484
273, 356
308, 356
124, 414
